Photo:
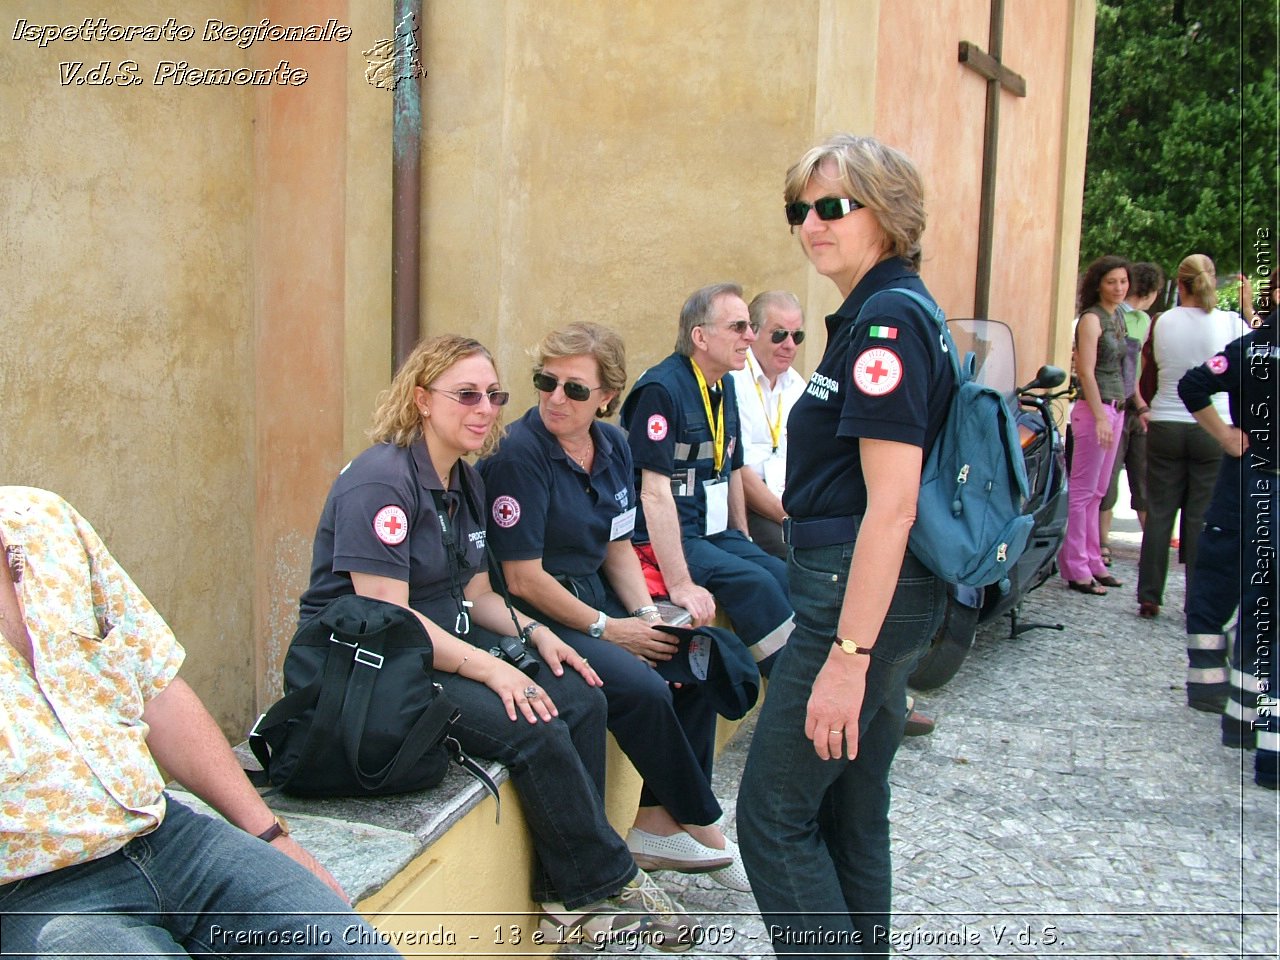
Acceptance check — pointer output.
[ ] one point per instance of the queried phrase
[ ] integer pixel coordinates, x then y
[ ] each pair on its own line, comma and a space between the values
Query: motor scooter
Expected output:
991, 343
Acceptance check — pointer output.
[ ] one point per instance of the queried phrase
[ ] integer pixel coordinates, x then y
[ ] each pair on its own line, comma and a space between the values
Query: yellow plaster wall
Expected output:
601, 161
126, 364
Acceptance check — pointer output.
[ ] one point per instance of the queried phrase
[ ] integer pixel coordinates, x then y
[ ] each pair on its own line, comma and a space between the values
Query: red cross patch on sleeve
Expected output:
657, 427
877, 371
391, 525
506, 511
1217, 365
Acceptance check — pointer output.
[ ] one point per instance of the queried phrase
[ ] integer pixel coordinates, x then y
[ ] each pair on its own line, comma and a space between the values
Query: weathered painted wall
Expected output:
938, 118
126, 360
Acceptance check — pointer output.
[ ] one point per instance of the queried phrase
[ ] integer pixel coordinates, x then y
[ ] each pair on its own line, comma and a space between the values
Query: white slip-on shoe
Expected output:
734, 876
679, 852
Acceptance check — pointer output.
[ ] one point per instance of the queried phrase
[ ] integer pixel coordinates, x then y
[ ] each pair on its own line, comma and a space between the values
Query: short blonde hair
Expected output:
880, 178
397, 419
1198, 276
585, 339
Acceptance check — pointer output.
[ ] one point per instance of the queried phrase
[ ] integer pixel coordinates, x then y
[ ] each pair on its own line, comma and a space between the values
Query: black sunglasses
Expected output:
827, 208
546, 383
779, 335
471, 398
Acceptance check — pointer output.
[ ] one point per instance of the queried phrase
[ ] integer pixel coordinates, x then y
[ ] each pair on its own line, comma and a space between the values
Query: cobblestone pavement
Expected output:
1069, 803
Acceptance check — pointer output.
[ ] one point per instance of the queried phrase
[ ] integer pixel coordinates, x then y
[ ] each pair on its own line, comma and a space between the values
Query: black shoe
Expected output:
1238, 735
1208, 704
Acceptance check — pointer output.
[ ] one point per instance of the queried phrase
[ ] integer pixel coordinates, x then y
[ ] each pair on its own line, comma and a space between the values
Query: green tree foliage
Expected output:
1183, 134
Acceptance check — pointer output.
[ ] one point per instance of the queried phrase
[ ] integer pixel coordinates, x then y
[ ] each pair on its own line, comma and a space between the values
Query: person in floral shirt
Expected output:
92, 852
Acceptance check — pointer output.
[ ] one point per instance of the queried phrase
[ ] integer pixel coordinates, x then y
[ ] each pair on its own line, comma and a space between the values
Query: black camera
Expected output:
512, 650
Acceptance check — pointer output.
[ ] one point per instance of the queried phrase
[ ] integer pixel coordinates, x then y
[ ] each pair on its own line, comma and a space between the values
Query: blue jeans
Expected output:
194, 885
815, 833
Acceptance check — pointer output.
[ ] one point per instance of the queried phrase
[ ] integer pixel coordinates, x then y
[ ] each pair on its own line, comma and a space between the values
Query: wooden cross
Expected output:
998, 75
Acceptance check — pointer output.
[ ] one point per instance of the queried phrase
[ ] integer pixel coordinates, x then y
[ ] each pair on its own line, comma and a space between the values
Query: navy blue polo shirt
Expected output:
543, 505
889, 379
380, 518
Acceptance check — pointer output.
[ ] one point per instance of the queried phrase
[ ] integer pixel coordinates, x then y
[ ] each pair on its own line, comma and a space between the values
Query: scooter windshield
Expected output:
991, 343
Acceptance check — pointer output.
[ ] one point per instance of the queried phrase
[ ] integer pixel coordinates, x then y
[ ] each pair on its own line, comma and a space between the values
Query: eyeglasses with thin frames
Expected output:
472, 398
827, 208
546, 383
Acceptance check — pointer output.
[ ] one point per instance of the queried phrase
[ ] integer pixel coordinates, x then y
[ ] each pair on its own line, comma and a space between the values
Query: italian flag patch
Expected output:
885, 333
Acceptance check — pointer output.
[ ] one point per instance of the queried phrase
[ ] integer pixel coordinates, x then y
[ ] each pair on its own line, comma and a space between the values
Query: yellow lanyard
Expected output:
716, 423
775, 425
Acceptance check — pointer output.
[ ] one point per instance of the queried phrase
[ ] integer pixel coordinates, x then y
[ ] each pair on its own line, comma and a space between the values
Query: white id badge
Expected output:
775, 474
717, 506
623, 524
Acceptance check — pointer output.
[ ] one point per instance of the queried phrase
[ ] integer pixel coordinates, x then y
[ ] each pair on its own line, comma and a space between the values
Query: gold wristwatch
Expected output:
278, 829
849, 647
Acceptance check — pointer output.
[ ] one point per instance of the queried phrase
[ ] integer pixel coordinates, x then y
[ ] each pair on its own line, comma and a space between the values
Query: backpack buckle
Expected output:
368, 658
333, 638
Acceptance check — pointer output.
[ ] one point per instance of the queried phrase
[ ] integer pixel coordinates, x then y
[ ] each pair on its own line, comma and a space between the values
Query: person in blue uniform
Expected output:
813, 807
681, 420
1242, 534
562, 505
405, 523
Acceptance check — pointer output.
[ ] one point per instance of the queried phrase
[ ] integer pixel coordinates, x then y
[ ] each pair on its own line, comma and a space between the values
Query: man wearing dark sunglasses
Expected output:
767, 387
682, 424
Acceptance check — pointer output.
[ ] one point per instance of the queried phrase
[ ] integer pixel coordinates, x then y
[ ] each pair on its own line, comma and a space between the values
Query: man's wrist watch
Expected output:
849, 647
597, 629
278, 829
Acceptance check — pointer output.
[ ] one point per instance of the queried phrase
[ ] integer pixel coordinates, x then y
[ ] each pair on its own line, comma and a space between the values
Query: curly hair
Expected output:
397, 419
1091, 283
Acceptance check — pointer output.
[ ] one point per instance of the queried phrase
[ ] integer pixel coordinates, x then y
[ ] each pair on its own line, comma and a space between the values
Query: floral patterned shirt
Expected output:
77, 781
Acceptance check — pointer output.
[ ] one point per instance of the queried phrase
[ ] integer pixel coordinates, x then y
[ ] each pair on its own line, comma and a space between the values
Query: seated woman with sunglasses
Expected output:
405, 523
767, 387
562, 508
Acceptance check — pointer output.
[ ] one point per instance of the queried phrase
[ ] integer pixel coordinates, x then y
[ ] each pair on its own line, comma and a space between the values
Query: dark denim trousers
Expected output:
558, 771
815, 833
668, 734
193, 885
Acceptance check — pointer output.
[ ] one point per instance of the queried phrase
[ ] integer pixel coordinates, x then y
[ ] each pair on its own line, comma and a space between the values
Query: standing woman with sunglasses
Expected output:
562, 505
813, 808
405, 523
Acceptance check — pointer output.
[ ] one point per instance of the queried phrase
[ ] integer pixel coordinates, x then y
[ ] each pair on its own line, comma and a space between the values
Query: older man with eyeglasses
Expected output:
682, 423
767, 387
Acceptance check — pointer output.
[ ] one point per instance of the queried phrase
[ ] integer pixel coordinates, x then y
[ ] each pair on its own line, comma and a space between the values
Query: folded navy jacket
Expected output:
718, 660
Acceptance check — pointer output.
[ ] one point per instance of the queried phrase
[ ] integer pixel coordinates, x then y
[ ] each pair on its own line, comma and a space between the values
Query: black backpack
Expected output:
361, 715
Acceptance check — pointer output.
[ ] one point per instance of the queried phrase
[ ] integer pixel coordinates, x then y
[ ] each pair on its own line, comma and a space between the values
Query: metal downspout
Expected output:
406, 187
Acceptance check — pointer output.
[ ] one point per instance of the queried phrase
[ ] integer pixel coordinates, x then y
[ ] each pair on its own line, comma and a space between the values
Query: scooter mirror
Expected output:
1047, 378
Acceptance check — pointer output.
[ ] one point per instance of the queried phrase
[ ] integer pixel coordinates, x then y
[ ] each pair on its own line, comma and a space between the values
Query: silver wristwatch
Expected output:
597, 629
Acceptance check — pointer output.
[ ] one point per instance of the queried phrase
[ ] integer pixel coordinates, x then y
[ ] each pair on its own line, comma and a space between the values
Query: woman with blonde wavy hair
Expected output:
1182, 458
405, 523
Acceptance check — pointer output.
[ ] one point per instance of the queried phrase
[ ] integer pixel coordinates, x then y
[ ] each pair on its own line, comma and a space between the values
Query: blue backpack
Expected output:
970, 528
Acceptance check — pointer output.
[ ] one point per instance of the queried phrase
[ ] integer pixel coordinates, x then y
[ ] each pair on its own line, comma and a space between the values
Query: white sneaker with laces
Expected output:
640, 914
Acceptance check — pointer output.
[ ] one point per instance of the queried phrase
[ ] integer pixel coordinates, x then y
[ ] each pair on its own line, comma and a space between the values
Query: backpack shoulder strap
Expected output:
931, 310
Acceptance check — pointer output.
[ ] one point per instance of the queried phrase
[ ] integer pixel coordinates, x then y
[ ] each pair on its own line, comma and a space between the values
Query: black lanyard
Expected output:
455, 559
